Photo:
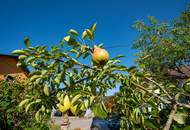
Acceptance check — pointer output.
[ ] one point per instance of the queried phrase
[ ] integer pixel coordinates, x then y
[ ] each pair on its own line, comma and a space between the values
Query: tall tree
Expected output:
164, 46
150, 98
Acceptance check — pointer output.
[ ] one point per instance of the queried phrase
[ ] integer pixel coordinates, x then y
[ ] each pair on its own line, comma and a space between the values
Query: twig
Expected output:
80, 64
155, 95
183, 105
161, 87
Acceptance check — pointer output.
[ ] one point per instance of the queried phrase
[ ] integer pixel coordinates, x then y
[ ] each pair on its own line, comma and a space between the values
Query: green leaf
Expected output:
99, 111
37, 116
57, 80
37, 72
28, 106
75, 71
132, 69
19, 52
84, 34
149, 124
86, 104
73, 32
46, 90
74, 99
118, 57
34, 77
186, 88
32, 48
139, 74
101, 45
23, 102
18, 64
187, 128
30, 59
71, 41
93, 27
67, 38
27, 42
52, 64
89, 34
22, 57
74, 51
176, 128
180, 118
177, 96
104, 107
152, 20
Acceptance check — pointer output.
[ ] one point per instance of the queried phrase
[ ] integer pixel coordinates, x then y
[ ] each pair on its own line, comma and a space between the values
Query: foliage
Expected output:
11, 117
163, 46
59, 71
144, 103
148, 98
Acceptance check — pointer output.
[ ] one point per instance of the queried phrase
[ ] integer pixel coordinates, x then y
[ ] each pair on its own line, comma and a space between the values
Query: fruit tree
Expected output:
59, 78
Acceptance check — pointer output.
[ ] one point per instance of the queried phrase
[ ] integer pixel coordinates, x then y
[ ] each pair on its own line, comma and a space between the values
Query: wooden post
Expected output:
171, 116
65, 124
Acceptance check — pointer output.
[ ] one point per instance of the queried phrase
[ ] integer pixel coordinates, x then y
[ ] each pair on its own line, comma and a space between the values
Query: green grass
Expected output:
55, 127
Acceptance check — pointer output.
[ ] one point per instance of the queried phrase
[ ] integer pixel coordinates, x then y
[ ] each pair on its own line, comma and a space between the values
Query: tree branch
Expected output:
80, 64
160, 86
170, 118
153, 94
183, 105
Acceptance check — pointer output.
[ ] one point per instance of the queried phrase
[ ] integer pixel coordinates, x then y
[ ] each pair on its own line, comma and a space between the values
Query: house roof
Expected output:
12, 56
182, 72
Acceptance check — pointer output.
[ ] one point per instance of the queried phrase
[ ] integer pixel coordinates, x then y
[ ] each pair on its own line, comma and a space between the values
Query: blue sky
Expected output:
47, 21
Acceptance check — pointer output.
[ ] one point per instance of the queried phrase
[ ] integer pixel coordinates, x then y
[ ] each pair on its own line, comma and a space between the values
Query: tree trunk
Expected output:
170, 118
65, 124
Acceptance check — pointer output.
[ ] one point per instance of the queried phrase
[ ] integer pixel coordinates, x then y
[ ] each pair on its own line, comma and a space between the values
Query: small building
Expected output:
182, 72
8, 67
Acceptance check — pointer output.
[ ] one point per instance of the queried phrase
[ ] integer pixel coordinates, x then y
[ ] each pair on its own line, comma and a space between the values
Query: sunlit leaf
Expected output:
73, 32
180, 118
27, 42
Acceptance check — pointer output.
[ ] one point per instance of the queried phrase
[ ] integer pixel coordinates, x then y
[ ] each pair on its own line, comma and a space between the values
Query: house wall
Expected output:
8, 67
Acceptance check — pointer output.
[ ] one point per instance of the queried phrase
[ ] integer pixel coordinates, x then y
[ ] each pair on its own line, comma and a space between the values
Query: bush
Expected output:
12, 93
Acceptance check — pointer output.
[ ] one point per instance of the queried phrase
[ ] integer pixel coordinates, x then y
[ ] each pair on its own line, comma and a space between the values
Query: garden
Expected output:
76, 74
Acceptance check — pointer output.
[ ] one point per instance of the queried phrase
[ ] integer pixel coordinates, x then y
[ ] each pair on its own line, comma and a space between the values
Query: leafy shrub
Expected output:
12, 92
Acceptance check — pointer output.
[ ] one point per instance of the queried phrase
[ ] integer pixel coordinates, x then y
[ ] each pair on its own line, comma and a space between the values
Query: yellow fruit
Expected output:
100, 56
74, 109
67, 101
62, 108
82, 107
65, 104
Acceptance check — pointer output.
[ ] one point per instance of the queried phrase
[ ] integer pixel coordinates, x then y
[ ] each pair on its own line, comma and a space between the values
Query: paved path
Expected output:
75, 123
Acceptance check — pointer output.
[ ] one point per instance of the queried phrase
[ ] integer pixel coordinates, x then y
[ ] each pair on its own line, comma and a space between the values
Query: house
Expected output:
8, 67
182, 72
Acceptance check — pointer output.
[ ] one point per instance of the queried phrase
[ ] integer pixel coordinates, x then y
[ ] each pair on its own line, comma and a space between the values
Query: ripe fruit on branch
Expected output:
100, 56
